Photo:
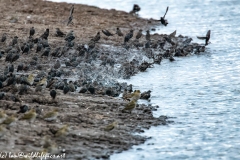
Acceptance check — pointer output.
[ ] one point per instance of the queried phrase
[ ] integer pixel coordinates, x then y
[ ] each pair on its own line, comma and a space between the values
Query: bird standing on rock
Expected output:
15, 40
69, 37
207, 38
39, 47
53, 93
59, 33
163, 20
4, 37
139, 34
23, 109
135, 9
9, 120
130, 106
148, 36
110, 126
62, 131
119, 32
107, 33
29, 116
32, 32
97, 37
128, 36
45, 34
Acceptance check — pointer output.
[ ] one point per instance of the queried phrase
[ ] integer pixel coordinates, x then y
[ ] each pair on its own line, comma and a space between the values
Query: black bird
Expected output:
32, 31
23, 109
163, 20
135, 9
119, 32
1, 95
148, 36
39, 47
206, 38
59, 33
26, 48
66, 89
46, 52
4, 37
70, 18
91, 89
20, 67
11, 68
15, 40
22, 89
9, 57
97, 37
45, 34
107, 33
128, 36
53, 94
14, 57
69, 37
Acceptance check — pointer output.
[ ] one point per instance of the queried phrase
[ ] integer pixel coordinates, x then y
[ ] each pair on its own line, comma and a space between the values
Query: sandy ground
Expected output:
84, 114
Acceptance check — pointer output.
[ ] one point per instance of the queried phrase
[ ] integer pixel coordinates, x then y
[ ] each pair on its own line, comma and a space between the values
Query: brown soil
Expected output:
85, 114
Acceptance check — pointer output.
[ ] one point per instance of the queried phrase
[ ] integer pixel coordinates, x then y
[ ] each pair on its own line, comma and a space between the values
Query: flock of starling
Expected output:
9, 79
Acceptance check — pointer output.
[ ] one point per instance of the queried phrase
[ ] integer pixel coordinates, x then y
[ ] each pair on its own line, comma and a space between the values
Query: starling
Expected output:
119, 32
110, 126
38, 88
71, 86
97, 37
1, 95
107, 33
22, 89
163, 20
91, 89
83, 90
135, 9
139, 34
32, 31
66, 89
14, 57
57, 65
15, 40
62, 131
206, 38
4, 37
50, 116
23, 109
128, 36
26, 48
148, 36
45, 34
39, 47
147, 45
11, 68
53, 94
29, 116
146, 95
69, 37
46, 52
130, 106
59, 33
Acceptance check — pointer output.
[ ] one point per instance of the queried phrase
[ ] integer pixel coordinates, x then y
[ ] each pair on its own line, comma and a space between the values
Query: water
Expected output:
201, 93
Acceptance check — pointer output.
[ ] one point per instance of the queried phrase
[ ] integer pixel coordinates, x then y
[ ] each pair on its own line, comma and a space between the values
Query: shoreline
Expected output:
85, 114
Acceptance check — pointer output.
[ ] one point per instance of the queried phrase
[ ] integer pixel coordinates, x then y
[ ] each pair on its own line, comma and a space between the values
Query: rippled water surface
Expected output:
200, 92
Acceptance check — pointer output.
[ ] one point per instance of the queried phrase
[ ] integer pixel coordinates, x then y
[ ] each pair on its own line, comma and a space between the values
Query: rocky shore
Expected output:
85, 69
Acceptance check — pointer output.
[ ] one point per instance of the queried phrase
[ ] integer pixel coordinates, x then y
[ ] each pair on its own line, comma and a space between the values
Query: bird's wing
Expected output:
173, 34
71, 10
208, 33
165, 12
201, 37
